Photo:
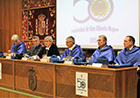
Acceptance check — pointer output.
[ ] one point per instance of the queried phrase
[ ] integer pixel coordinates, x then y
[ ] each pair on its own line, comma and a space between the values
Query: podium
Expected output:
57, 80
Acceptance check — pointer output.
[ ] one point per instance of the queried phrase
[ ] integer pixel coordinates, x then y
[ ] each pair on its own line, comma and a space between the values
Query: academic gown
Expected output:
53, 50
76, 52
18, 49
107, 52
129, 56
35, 50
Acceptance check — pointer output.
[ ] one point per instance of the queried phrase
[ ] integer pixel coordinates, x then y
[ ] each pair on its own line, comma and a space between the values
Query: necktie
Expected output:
47, 51
70, 53
34, 51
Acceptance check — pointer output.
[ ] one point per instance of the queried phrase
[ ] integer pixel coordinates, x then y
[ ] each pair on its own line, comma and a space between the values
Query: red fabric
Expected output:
32, 25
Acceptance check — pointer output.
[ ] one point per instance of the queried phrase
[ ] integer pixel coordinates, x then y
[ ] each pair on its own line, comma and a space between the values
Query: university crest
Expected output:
32, 79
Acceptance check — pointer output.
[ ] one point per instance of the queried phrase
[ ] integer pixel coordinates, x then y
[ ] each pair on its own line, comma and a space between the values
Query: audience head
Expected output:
70, 41
102, 41
15, 39
48, 40
129, 41
35, 40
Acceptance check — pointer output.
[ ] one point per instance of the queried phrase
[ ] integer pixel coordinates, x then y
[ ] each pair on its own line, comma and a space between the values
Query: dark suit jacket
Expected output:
35, 50
53, 50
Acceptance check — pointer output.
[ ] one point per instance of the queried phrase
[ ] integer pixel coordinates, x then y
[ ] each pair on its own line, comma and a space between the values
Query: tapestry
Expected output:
41, 22
37, 3
24, 25
38, 19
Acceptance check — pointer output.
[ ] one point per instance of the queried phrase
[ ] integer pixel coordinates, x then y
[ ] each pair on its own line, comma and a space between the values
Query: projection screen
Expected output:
85, 20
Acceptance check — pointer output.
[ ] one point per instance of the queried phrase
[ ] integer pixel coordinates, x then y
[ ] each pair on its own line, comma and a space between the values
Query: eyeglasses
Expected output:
46, 41
35, 41
68, 41
15, 40
98, 40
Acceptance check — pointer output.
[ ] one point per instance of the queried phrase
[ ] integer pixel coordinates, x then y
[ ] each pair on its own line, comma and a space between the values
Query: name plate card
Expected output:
0, 70
43, 60
82, 84
24, 58
68, 62
8, 57
96, 64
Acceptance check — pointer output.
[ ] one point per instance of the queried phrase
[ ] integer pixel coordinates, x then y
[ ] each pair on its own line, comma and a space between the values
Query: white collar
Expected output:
131, 47
102, 48
72, 47
47, 48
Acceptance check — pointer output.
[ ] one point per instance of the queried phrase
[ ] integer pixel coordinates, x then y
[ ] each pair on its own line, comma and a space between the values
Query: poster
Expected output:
82, 84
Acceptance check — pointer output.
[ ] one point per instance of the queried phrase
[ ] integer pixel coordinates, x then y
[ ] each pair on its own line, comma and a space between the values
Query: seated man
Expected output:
130, 53
36, 48
50, 48
73, 50
18, 46
103, 50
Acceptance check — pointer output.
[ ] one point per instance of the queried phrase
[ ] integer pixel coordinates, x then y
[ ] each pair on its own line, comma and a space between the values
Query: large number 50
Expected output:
98, 10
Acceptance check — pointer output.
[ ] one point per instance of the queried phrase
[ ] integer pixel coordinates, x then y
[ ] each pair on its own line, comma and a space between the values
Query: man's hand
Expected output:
5, 54
9, 51
64, 59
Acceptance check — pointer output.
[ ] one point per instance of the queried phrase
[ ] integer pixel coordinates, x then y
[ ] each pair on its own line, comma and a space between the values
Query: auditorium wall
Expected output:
10, 22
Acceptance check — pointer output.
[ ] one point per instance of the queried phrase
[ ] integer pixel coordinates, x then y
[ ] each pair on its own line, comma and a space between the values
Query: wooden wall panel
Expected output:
6, 20
10, 22
17, 8
0, 26
12, 19
2, 23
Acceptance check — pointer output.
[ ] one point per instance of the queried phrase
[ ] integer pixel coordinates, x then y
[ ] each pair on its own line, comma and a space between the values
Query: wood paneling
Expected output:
100, 83
7, 94
10, 22
7, 74
44, 75
59, 80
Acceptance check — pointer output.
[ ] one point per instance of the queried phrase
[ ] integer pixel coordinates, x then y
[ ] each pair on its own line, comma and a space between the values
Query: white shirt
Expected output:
72, 47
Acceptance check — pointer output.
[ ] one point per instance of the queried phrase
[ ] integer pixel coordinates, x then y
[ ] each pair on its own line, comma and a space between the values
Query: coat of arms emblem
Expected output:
32, 79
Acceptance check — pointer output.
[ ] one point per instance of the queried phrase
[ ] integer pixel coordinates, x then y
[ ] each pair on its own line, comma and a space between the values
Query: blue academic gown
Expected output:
18, 49
76, 52
129, 56
107, 52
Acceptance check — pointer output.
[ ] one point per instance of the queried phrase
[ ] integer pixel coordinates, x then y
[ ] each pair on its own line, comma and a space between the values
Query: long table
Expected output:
59, 80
